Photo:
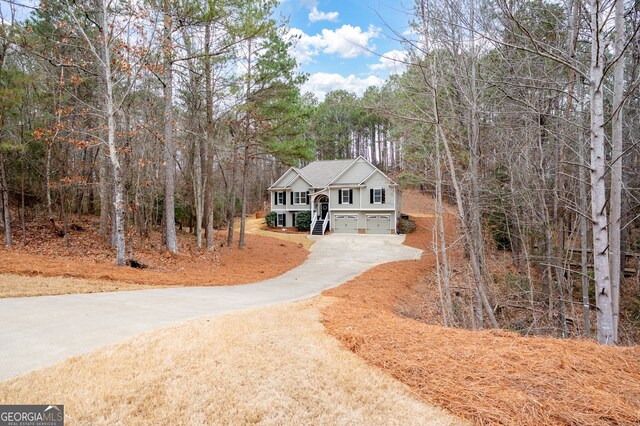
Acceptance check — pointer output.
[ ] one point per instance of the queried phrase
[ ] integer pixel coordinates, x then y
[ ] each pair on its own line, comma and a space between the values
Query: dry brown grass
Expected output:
23, 286
269, 366
488, 377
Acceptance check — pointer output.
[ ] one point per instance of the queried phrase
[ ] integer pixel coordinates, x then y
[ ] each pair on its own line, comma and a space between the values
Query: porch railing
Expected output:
313, 223
324, 225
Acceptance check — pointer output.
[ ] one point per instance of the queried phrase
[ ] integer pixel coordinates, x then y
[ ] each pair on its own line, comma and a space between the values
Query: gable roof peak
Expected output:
321, 172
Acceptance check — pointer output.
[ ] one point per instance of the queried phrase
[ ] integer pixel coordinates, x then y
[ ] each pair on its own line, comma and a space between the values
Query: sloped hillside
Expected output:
389, 316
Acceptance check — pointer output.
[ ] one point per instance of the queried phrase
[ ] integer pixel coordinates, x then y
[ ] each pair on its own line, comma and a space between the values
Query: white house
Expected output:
346, 196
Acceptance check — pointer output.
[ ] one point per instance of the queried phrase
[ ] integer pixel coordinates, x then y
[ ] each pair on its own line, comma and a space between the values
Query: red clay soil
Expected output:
89, 256
487, 377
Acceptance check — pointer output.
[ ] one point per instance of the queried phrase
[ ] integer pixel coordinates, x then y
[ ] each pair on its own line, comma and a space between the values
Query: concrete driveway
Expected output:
39, 331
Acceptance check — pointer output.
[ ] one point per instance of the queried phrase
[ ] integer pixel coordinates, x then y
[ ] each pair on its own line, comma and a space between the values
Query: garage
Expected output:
378, 224
346, 223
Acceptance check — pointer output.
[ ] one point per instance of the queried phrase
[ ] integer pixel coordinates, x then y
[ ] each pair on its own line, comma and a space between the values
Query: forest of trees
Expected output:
522, 114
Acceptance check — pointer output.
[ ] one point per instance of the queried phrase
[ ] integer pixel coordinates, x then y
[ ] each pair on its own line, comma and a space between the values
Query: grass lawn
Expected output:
269, 366
12, 285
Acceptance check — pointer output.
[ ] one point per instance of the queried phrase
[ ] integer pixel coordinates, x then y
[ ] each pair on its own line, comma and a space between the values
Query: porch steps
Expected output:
317, 229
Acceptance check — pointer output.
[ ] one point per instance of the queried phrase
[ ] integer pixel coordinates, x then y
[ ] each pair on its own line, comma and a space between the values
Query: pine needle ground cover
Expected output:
488, 377
90, 260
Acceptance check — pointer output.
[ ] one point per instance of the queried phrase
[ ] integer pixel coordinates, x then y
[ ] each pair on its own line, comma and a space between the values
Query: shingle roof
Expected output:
320, 173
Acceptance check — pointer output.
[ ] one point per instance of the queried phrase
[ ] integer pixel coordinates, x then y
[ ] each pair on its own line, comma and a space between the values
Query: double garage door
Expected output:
375, 224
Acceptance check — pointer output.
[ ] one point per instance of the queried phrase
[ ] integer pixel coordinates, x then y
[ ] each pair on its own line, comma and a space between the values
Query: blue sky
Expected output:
344, 44
347, 44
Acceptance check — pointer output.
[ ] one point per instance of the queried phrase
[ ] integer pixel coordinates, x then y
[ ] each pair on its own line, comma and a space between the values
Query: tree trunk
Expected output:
118, 188
615, 203
474, 224
8, 239
584, 270
22, 207
247, 144
47, 177
243, 215
208, 157
475, 267
198, 177
63, 216
448, 305
231, 208
605, 325
169, 149
104, 193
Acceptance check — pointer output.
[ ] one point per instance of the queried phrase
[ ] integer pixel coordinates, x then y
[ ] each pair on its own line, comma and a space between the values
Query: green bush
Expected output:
406, 226
271, 219
303, 221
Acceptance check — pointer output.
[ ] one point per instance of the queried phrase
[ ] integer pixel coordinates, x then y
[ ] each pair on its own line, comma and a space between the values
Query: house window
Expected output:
299, 198
377, 196
281, 219
280, 200
345, 197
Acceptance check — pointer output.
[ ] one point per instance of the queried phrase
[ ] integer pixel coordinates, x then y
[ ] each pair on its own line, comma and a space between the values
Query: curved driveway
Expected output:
39, 331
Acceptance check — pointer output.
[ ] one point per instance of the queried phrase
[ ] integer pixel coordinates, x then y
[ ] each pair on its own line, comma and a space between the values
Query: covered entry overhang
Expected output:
320, 215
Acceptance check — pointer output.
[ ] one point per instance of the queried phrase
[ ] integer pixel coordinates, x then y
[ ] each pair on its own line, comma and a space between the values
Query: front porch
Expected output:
320, 214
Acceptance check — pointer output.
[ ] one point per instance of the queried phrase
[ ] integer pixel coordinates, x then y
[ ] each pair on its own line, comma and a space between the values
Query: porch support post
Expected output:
312, 200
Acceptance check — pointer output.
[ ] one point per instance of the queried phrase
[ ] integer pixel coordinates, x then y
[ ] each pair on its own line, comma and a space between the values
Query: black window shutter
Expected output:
351, 196
284, 219
339, 196
291, 197
371, 196
382, 195
307, 197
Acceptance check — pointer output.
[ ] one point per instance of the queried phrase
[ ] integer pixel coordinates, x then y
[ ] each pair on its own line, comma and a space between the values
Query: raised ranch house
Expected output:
346, 196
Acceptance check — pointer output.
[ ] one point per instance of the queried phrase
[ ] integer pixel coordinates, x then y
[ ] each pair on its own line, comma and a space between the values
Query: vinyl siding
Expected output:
286, 178
356, 174
378, 181
299, 185
335, 202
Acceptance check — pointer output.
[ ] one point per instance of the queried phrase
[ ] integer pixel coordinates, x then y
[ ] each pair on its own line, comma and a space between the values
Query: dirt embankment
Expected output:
488, 377
88, 256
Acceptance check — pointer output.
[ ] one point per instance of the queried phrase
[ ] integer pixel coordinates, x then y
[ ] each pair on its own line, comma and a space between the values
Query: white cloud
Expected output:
393, 61
315, 15
306, 46
322, 83
346, 42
